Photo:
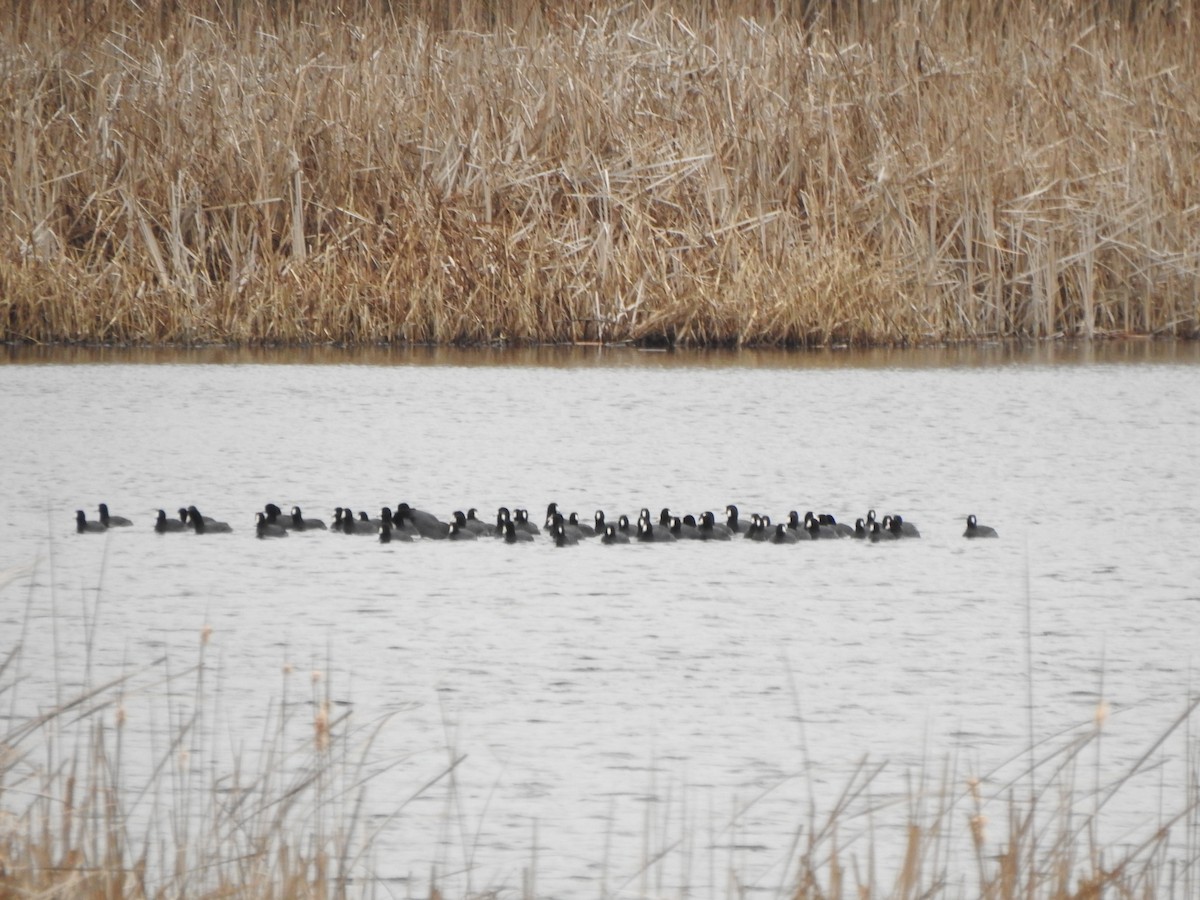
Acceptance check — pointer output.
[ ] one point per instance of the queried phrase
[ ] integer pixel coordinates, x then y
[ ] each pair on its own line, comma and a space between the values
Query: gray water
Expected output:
640, 719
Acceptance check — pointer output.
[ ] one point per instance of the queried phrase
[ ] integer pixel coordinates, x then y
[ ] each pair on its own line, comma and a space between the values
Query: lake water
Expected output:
638, 720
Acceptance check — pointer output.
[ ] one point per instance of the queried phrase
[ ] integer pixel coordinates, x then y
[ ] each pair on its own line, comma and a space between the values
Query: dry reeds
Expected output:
83, 815
94, 806
695, 174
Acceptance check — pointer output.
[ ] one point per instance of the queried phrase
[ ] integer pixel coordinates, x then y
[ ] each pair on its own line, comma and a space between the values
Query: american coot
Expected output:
185, 516
204, 525
878, 533
760, 527
753, 531
388, 533
613, 536
109, 521
560, 535
712, 530
163, 525
274, 516
477, 525
513, 535
83, 526
569, 528
400, 525
824, 529
804, 530
361, 524
299, 523
264, 528
685, 530
975, 530
469, 521
348, 521
649, 534
460, 533
782, 535
585, 530
521, 520
904, 529
427, 524
558, 523
731, 520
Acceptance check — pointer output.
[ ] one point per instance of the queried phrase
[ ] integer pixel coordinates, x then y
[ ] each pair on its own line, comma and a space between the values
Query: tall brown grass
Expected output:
696, 173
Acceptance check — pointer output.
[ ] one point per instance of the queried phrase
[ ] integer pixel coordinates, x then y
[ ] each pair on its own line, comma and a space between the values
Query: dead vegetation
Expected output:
792, 174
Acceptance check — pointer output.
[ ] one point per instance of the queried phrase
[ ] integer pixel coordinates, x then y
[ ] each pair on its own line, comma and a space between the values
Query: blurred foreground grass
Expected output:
84, 813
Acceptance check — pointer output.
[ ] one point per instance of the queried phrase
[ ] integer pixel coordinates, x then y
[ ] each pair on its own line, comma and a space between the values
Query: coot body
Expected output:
84, 526
782, 535
975, 530
164, 525
613, 536
205, 525
514, 535
299, 523
426, 523
264, 528
110, 521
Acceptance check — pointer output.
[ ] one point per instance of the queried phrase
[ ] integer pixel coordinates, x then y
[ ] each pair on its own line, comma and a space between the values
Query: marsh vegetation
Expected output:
782, 174
150, 784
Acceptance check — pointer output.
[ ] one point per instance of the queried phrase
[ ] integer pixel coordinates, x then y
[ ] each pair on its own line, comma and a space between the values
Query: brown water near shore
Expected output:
976, 353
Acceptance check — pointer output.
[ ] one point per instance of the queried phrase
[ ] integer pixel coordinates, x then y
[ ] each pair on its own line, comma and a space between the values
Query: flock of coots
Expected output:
408, 524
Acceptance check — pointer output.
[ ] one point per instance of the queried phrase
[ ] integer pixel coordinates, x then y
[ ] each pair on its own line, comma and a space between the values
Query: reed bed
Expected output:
133, 787
796, 173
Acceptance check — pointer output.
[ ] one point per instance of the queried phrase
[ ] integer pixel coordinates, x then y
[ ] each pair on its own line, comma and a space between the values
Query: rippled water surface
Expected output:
615, 705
